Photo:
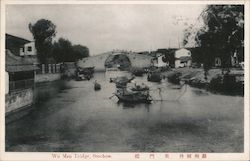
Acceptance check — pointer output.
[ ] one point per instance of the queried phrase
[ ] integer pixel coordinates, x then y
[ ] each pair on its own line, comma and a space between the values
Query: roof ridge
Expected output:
18, 37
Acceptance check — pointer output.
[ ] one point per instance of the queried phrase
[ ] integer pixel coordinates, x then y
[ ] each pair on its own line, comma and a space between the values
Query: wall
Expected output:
98, 61
160, 63
17, 100
26, 51
48, 73
178, 63
48, 77
182, 52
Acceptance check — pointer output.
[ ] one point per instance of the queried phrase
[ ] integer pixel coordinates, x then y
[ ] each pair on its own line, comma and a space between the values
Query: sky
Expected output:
106, 27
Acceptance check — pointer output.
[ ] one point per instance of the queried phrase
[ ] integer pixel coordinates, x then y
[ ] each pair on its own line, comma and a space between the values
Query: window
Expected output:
217, 62
29, 48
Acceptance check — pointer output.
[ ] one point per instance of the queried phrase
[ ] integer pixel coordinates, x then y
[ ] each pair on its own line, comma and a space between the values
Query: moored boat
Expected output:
136, 94
121, 82
138, 72
84, 73
154, 77
136, 97
97, 86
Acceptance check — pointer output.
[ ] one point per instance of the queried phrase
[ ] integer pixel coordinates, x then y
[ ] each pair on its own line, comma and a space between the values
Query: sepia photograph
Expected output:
135, 78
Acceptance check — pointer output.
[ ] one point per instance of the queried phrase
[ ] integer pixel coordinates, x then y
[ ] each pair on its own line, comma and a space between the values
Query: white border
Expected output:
35, 156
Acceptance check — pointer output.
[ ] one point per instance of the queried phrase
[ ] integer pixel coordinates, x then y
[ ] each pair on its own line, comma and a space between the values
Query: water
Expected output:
71, 116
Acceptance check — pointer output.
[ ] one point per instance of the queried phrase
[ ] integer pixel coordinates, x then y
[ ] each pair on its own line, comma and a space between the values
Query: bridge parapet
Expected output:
98, 61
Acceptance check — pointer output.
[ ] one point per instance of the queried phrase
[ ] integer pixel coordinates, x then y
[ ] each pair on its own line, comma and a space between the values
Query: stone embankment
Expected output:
231, 83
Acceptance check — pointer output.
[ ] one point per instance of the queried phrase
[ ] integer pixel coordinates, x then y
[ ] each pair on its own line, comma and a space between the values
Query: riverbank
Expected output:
230, 84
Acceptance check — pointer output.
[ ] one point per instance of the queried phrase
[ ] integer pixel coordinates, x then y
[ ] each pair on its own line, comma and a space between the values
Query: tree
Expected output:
187, 34
80, 51
64, 51
43, 32
222, 34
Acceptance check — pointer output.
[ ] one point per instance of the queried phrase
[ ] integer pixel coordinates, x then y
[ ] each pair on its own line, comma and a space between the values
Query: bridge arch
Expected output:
118, 60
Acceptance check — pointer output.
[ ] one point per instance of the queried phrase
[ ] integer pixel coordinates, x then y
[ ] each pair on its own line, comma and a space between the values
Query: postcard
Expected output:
124, 80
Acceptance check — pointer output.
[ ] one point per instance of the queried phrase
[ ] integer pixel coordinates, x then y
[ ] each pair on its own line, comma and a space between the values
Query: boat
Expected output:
136, 94
121, 82
138, 72
174, 78
154, 77
84, 73
112, 69
133, 96
97, 86
142, 87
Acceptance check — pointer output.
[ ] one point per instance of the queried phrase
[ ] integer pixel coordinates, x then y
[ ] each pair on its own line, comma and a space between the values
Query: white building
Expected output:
183, 58
28, 49
160, 61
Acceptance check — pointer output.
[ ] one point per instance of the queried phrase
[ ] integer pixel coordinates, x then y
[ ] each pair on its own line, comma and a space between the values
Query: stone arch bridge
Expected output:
99, 61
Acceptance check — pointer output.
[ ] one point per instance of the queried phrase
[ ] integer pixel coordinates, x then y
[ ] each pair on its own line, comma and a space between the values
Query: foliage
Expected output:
43, 32
64, 51
80, 51
187, 34
222, 34
61, 50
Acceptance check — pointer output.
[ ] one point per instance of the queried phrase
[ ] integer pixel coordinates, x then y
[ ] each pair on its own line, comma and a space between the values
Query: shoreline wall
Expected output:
18, 100
48, 77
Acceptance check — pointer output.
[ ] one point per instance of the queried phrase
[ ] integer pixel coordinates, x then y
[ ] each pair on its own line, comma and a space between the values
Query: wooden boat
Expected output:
154, 77
84, 73
121, 82
112, 69
97, 86
138, 72
133, 96
142, 87
174, 78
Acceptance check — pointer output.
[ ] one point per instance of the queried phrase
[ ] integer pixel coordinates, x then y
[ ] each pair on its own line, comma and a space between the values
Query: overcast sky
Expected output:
103, 28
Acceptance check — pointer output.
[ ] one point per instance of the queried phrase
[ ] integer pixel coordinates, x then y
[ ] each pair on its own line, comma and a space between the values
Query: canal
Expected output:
71, 116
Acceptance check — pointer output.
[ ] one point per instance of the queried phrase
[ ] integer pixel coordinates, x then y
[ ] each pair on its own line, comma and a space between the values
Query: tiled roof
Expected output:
14, 43
17, 64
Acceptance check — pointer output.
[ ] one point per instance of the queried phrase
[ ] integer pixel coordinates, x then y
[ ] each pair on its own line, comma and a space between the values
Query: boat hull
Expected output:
133, 98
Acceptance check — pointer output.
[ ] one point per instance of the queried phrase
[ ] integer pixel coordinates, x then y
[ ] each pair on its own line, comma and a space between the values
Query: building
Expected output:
20, 46
217, 62
14, 44
19, 84
233, 61
160, 60
183, 58
28, 49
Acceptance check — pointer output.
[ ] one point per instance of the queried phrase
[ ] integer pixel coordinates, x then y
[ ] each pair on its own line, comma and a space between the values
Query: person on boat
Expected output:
97, 86
121, 82
140, 87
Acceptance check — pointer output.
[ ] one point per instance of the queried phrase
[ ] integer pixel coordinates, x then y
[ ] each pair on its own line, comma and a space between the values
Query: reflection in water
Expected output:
71, 116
